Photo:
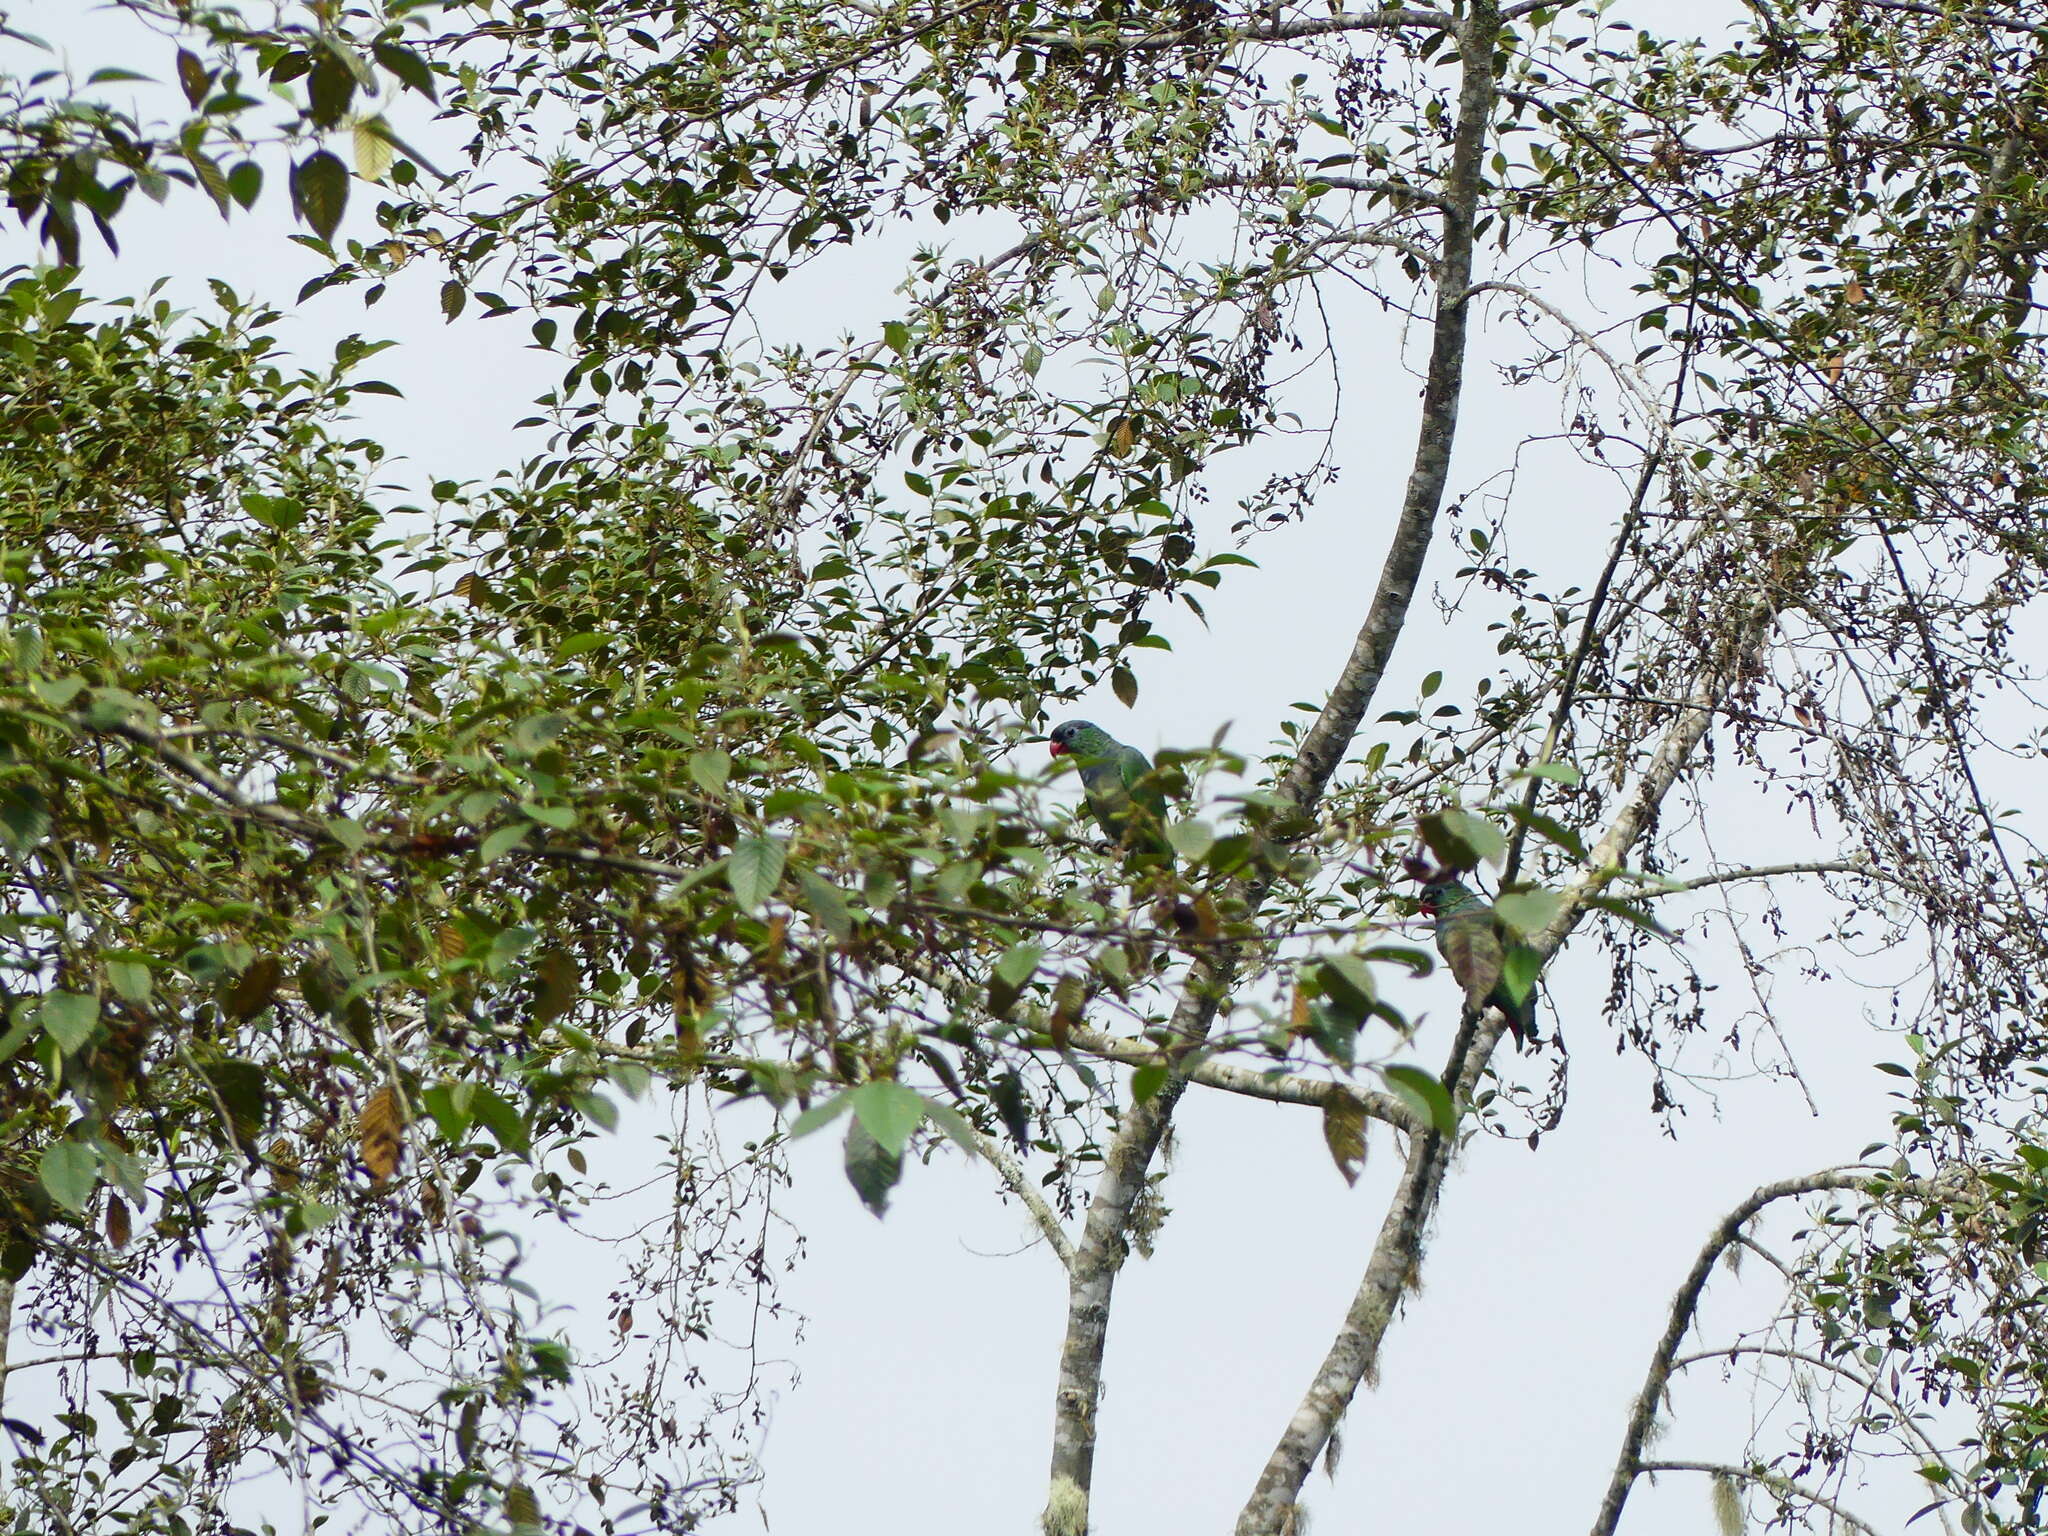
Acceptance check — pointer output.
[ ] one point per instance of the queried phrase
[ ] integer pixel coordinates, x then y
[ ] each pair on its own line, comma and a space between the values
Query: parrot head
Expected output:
1435, 881
1066, 735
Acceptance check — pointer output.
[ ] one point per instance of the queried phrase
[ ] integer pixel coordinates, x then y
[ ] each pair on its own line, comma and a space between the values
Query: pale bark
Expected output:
1783, 1486
1092, 1278
1397, 1253
1019, 1184
1330, 737
1629, 1465
1228, 1077
1103, 1245
6, 1335
1355, 1350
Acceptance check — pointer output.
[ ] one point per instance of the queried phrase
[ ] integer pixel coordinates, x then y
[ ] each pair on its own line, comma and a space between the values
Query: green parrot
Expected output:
1130, 810
1474, 946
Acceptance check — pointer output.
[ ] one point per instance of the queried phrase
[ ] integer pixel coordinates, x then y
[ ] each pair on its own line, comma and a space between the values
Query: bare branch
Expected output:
1330, 737
1390, 1271
1629, 1464
1764, 1479
1946, 14
1901, 1414
1024, 1189
1756, 872
1228, 1077
1392, 20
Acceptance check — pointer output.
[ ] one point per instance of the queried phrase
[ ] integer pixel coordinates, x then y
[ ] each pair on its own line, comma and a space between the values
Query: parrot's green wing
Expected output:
1470, 938
1470, 943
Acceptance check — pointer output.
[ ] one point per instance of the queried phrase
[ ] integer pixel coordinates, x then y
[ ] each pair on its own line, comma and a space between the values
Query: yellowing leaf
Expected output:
380, 1134
117, 1221
1344, 1132
372, 149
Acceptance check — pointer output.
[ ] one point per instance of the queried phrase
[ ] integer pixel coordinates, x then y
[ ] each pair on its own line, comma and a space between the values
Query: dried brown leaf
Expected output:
1344, 1132
118, 1229
380, 1133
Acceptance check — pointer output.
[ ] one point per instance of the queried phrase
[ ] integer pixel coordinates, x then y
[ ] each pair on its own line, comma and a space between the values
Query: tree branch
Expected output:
1102, 1247
1391, 20
1014, 1178
1629, 1464
1330, 737
1391, 1270
1398, 1251
1770, 1480
1228, 1077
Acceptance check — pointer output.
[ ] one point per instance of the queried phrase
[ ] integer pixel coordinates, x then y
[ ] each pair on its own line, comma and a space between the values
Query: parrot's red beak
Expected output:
1057, 749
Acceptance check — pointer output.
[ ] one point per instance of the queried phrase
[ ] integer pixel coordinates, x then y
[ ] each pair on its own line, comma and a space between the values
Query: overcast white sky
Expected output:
932, 1339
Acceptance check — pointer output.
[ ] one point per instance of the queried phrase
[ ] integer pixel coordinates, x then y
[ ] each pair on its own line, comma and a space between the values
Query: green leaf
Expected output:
557, 985
24, 817
896, 336
130, 979
254, 990
57, 692
71, 1018
890, 1111
871, 1168
1519, 968
371, 146
1018, 963
501, 842
194, 76
1420, 962
243, 1092
1462, 840
496, 1114
754, 870
1347, 981
1563, 773
710, 770
1191, 839
596, 1108
827, 904
955, 1126
1124, 685
1632, 912
22, 1031
245, 183
820, 1115
1550, 829
1528, 912
320, 192
1421, 1092
1146, 1082
448, 1104
409, 67
577, 645
330, 86
70, 1171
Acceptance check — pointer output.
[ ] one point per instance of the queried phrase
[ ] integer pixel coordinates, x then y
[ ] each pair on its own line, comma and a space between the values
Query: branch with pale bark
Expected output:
1354, 1352
1629, 1465
1104, 1239
1785, 1487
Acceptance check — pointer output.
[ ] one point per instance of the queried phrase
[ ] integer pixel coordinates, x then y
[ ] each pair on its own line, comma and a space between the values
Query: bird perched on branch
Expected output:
1473, 943
1127, 805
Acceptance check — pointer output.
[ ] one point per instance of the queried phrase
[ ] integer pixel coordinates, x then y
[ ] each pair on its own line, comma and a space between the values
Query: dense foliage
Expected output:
369, 847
